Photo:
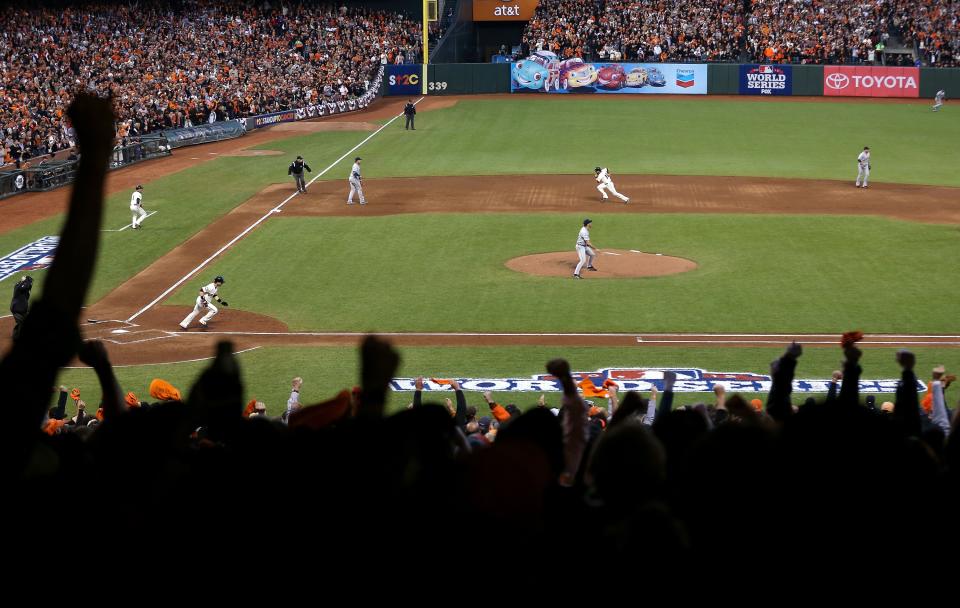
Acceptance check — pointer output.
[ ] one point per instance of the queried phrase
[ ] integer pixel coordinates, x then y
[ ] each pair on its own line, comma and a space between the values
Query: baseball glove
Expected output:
224, 302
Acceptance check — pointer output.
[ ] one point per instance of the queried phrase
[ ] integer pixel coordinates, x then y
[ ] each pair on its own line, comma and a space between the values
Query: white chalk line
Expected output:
239, 352
715, 338
259, 221
128, 225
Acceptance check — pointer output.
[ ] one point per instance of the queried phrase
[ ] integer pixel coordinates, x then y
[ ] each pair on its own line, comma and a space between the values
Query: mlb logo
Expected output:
685, 79
766, 69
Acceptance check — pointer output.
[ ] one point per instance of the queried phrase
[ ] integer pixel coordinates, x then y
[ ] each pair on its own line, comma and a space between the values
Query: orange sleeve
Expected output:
499, 412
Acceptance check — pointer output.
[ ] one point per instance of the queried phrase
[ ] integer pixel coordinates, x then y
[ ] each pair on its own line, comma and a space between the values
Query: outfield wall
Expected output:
721, 79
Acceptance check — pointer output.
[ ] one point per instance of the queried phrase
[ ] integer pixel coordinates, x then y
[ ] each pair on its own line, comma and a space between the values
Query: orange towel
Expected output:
589, 389
163, 390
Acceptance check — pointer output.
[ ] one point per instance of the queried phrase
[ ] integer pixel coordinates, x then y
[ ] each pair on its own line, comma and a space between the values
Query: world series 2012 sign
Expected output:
688, 380
766, 80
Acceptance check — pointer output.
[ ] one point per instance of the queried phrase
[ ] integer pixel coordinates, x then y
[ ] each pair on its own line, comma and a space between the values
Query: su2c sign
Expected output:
850, 81
404, 79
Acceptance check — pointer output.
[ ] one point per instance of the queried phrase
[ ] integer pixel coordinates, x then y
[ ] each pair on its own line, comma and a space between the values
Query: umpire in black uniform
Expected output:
20, 303
296, 170
410, 111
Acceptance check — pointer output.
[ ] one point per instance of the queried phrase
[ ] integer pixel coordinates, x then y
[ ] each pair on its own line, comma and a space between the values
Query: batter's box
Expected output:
135, 336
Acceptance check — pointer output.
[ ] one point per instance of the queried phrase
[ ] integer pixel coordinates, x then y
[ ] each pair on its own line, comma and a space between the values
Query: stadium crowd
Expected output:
177, 63
638, 486
797, 31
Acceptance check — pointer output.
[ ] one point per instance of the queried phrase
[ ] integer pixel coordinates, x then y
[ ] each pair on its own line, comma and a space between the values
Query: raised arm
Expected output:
574, 421
906, 408
782, 370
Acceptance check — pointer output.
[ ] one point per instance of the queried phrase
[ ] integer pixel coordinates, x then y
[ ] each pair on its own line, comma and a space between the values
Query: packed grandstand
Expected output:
179, 62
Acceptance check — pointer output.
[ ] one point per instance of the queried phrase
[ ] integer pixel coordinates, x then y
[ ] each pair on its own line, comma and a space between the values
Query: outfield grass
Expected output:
446, 272
813, 140
326, 370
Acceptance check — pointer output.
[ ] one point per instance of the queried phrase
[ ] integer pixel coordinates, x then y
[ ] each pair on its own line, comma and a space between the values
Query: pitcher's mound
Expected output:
610, 263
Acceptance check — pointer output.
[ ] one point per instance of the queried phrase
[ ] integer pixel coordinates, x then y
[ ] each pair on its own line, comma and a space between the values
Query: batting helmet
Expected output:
218, 279
597, 170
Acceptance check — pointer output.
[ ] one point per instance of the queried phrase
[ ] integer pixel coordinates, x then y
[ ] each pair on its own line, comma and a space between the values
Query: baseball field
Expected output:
744, 231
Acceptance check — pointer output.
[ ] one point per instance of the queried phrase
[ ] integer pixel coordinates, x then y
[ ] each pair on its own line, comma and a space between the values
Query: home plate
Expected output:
120, 331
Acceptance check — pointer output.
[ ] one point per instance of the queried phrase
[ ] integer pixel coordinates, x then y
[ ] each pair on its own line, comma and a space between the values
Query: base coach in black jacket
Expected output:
20, 303
296, 170
409, 111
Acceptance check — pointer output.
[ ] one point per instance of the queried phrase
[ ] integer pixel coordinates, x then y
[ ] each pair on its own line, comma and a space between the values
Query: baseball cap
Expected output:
299, 158
587, 221
357, 158
139, 187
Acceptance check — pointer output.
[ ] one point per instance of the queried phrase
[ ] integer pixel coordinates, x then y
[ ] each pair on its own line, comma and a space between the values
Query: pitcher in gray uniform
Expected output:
356, 185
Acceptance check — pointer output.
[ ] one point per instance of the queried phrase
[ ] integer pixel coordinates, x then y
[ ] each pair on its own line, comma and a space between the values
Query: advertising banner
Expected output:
543, 72
868, 81
689, 380
404, 79
504, 10
766, 80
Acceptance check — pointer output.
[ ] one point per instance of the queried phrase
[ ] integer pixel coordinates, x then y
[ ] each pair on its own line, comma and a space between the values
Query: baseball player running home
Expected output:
136, 207
938, 100
355, 182
604, 184
863, 167
208, 293
585, 249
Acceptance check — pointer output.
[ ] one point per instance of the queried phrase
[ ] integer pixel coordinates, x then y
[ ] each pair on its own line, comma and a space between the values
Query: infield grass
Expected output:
446, 273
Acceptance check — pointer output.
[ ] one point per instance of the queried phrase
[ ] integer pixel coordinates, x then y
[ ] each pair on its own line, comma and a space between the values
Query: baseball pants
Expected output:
211, 310
138, 214
609, 187
17, 322
355, 187
937, 105
864, 174
586, 255
410, 123
301, 184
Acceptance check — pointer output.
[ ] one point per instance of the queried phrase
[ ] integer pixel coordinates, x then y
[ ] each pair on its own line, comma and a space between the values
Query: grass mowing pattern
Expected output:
445, 272
812, 140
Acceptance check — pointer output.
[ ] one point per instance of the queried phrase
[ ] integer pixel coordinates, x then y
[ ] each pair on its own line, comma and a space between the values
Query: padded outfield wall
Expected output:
721, 79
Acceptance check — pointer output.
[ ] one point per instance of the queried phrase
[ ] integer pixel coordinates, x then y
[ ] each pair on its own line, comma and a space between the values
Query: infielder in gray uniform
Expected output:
355, 183
863, 167
938, 100
585, 249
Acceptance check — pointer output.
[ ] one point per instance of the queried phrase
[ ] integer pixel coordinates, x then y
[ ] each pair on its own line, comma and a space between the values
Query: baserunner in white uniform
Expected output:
938, 99
585, 249
863, 167
605, 184
356, 180
136, 207
208, 293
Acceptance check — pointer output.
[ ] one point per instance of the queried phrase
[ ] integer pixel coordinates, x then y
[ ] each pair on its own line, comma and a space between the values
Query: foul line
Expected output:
259, 221
128, 225
239, 352
680, 338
